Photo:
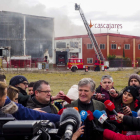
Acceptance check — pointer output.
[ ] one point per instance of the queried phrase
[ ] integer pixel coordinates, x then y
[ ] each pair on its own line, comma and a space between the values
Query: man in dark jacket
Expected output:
19, 111
86, 88
106, 88
42, 97
21, 83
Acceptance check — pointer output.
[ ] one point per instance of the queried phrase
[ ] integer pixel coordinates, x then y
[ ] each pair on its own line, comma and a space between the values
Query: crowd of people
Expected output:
39, 104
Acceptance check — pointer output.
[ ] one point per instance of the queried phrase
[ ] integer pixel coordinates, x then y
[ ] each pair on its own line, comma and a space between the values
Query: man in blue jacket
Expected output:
19, 111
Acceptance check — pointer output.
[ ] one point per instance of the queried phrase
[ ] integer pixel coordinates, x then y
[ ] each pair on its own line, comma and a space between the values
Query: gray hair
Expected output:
106, 77
87, 81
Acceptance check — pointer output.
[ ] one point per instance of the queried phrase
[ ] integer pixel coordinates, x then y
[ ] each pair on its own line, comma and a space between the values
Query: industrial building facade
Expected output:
26, 35
109, 43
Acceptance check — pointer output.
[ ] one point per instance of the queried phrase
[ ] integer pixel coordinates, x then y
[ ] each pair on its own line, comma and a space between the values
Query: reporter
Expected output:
78, 133
110, 135
132, 122
129, 101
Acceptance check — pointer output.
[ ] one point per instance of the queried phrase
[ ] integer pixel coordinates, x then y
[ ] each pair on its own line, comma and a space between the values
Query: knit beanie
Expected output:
17, 80
133, 90
134, 76
73, 93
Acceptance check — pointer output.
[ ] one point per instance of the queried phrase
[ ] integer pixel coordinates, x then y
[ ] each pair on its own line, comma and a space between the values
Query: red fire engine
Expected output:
100, 63
75, 64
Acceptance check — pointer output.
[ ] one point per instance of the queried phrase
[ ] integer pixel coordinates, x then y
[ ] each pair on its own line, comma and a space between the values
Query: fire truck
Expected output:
100, 62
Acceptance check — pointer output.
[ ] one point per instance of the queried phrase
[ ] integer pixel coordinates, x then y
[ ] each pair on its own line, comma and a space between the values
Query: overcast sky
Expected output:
68, 21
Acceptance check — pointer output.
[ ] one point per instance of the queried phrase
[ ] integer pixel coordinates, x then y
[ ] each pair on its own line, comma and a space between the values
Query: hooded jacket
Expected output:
33, 103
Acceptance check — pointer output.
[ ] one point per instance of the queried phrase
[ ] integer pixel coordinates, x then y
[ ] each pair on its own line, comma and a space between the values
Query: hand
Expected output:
99, 96
127, 110
79, 132
38, 109
99, 129
120, 117
59, 95
113, 93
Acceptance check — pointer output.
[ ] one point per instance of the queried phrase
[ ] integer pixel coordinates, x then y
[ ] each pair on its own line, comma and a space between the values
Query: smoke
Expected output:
63, 25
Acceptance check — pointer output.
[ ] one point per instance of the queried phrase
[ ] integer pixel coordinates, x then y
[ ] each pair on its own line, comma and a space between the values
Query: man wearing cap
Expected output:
21, 83
106, 88
134, 79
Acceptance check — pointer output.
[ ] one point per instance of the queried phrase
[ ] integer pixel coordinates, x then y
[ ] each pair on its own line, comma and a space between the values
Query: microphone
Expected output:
83, 115
110, 106
102, 118
70, 121
101, 94
91, 118
103, 112
61, 111
76, 108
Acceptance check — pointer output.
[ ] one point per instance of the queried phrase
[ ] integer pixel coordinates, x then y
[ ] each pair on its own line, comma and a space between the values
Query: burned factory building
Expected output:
27, 35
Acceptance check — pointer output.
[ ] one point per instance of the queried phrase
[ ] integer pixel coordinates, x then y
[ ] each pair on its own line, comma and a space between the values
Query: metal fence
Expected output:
121, 63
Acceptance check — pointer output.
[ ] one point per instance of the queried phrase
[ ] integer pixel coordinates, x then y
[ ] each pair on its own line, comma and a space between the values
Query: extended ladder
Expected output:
90, 34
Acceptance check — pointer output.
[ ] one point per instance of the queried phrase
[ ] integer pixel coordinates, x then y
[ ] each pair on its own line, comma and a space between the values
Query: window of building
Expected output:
139, 46
113, 46
89, 46
89, 60
102, 46
126, 46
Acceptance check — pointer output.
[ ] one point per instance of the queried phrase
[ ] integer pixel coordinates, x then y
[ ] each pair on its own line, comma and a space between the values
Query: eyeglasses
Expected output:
46, 92
25, 83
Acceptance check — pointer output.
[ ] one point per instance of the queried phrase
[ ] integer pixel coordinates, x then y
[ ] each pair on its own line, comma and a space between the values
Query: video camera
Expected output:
28, 130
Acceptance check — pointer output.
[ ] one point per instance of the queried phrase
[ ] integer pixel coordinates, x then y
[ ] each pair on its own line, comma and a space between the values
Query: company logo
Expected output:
108, 26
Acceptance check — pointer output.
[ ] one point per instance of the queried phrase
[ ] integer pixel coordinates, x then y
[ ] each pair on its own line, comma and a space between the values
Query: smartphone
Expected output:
67, 99
47, 109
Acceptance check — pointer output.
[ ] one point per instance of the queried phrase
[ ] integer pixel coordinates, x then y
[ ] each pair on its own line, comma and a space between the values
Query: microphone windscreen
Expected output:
97, 114
83, 115
70, 113
109, 105
103, 112
76, 108
90, 115
61, 111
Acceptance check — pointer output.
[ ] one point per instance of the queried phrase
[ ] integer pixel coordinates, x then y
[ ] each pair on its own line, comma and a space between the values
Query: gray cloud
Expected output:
64, 25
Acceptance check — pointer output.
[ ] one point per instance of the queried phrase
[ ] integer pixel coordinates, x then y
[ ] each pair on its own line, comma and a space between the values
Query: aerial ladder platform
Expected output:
97, 50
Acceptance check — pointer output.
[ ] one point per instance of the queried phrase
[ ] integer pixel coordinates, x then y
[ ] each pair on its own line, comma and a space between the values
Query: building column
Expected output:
134, 53
107, 45
24, 32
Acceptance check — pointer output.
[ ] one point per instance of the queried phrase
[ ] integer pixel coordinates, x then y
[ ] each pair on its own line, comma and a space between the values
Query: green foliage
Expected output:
111, 57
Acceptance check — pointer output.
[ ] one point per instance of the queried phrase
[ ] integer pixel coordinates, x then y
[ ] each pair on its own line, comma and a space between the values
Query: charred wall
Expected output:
38, 34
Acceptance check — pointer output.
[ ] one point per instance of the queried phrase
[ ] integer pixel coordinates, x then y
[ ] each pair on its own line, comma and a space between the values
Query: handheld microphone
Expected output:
69, 122
101, 94
83, 115
102, 118
110, 106
61, 111
103, 112
76, 108
91, 118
